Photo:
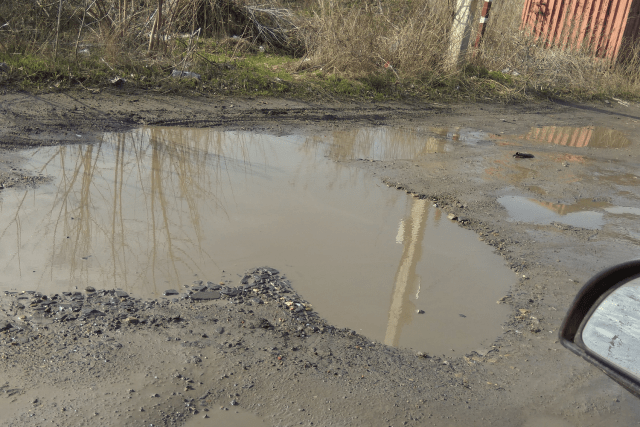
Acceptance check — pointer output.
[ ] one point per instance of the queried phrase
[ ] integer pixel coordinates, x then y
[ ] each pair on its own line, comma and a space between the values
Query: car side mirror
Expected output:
603, 324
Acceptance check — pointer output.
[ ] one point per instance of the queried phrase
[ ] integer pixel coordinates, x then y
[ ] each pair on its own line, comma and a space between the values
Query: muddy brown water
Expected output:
160, 208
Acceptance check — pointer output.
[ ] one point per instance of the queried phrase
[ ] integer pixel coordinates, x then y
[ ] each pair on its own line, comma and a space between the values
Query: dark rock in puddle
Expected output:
519, 155
169, 292
90, 289
205, 296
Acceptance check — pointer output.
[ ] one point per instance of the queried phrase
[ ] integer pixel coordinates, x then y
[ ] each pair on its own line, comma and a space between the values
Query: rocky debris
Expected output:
109, 310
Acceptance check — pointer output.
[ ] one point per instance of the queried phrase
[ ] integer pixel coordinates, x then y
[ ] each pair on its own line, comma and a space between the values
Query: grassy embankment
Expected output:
369, 49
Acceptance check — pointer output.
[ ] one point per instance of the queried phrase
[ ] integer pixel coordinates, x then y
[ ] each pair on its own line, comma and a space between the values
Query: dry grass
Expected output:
369, 37
393, 43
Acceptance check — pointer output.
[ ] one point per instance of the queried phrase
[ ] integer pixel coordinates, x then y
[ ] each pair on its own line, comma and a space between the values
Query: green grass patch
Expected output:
229, 72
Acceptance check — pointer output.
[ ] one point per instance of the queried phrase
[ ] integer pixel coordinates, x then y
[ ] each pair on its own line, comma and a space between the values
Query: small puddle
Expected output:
623, 210
582, 213
226, 418
579, 214
158, 208
579, 137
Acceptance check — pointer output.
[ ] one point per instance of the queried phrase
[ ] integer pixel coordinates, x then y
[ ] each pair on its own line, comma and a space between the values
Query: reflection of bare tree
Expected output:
128, 210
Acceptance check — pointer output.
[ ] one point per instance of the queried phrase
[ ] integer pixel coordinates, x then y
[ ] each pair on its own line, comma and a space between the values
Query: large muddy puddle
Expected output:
160, 208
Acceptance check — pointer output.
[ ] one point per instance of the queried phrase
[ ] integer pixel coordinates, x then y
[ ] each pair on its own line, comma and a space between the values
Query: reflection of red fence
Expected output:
571, 137
599, 25
592, 136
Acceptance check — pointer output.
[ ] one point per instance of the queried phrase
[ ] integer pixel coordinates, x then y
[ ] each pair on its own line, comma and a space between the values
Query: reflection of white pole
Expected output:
406, 274
460, 32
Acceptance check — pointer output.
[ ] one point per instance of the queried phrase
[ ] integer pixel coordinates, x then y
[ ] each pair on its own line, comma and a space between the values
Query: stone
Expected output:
264, 323
90, 289
132, 320
452, 217
4, 325
121, 294
231, 292
90, 313
205, 296
420, 311
170, 292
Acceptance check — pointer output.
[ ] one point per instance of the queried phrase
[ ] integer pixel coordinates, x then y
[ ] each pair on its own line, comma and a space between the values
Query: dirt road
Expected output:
556, 219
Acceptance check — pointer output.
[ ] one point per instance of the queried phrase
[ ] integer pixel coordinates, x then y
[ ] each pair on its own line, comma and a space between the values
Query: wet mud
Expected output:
267, 352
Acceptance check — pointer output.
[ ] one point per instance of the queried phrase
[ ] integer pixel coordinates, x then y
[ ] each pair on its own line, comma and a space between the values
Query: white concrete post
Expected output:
460, 32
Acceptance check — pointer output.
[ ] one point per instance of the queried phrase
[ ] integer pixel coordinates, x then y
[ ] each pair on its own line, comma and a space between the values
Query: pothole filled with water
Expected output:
159, 208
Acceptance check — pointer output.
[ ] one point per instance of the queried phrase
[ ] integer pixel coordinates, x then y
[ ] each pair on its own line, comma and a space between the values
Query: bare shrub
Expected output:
364, 37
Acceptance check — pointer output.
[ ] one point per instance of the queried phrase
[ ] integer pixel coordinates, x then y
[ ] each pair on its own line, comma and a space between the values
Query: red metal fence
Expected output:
599, 25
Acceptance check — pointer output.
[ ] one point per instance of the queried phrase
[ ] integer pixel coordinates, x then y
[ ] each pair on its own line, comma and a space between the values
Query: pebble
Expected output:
420, 311
170, 292
452, 216
132, 320
205, 296
90, 289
